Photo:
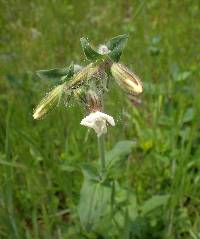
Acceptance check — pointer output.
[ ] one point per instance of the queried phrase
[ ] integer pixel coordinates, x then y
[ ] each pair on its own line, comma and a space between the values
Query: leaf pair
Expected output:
95, 200
114, 46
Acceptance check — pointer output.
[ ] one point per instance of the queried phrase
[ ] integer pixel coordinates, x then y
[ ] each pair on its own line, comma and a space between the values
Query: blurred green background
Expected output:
40, 175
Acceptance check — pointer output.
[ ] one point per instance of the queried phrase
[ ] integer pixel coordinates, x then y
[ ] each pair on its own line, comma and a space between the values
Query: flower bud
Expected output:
82, 76
126, 79
48, 102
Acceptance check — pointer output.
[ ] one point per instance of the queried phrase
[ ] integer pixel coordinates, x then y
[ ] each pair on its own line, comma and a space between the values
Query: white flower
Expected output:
97, 121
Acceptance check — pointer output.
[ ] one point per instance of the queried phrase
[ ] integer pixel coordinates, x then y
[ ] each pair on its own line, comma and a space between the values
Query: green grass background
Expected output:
40, 175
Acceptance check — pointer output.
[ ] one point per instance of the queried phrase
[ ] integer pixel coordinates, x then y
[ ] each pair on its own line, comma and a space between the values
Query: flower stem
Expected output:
102, 153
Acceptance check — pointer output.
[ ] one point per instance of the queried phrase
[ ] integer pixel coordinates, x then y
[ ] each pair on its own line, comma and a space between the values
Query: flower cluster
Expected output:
88, 84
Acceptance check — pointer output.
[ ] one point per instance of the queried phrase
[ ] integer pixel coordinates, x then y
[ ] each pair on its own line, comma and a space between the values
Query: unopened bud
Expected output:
126, 79
82, 76
48, 102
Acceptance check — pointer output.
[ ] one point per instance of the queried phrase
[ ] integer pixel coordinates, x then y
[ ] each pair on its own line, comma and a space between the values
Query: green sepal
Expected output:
89, 52
116, 45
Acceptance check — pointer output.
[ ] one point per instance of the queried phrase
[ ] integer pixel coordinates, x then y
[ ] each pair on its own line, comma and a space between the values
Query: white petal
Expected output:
84, 122
108, 118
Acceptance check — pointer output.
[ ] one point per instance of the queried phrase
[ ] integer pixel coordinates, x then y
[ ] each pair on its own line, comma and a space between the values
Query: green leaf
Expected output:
68, 168
90, 172
183, 76
52, 73
116, 45
189, 115
118, 153
118, 40
153, 203
94, 201
56, 73
89, 52
69, 74
127, 200
132, 207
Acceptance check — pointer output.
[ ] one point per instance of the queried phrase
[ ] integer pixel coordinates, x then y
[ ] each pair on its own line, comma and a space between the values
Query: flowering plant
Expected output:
99, 198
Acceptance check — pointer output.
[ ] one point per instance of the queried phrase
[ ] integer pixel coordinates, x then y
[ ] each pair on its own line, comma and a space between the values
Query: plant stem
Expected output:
102, 153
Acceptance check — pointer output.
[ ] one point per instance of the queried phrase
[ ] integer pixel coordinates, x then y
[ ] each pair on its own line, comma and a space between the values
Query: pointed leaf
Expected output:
121, 149
89, 52
189, 115
69, 74
116, 45
56, 73
153, 203
126, 201
90, 172
118, 40
52, 73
